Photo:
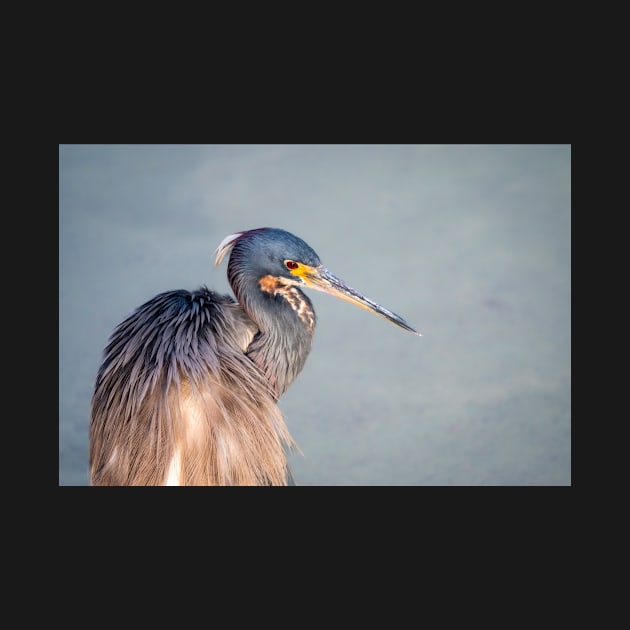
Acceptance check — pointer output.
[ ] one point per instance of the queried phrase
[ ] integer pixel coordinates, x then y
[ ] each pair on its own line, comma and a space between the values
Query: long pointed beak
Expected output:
322, 280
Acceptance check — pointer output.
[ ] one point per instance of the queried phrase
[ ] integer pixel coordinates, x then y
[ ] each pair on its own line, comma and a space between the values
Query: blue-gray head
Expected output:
267, 259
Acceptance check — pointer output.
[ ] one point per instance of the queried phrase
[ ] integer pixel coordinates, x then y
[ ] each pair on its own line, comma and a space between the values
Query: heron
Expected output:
188, 388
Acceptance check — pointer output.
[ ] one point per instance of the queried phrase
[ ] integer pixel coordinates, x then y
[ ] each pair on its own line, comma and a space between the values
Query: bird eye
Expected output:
291, 264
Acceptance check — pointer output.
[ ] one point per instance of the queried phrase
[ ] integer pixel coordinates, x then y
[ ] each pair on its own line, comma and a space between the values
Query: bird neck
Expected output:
286, 323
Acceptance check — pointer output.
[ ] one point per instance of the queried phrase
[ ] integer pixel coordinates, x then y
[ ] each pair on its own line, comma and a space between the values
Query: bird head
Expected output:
271, 255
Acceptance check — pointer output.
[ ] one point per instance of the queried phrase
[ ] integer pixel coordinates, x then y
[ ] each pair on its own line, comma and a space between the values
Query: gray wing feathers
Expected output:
178, 402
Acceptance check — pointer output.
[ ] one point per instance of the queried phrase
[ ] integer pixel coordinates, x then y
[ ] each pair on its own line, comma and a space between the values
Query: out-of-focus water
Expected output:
470, 244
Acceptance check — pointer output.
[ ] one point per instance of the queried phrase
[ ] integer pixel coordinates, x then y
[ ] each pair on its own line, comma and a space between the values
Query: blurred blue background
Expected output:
471, 244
